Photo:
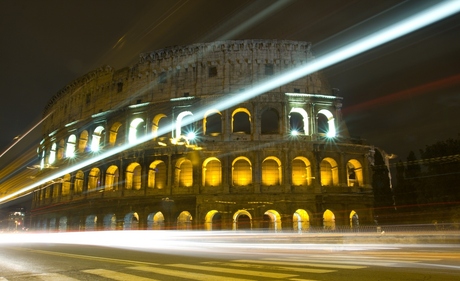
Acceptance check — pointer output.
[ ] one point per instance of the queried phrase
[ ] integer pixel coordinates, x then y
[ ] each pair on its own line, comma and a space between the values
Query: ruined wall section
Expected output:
200, 70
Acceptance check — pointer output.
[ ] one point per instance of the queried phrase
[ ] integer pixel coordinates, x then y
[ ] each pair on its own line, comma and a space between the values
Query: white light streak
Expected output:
435, 13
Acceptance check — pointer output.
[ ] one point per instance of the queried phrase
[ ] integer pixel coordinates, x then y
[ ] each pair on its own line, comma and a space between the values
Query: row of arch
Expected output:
186, 127
211, 175
241, 220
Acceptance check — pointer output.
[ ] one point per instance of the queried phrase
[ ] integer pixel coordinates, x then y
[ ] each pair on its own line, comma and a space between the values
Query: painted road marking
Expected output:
115, 275
234, 271
293, 264
295, 269
186, 274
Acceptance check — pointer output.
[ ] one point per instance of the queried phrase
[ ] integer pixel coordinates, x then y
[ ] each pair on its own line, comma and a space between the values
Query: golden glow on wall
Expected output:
354, 219
275, 220
301, 171
329, 172
114, 133
241, 171
79, 177
83, 141
111, 178
212, 172
301, 220
66, 185
157, 175
133, 176
354, 173
156, 124
209, 219
184, 221
271, 171
184, 173
329, 220
94, 179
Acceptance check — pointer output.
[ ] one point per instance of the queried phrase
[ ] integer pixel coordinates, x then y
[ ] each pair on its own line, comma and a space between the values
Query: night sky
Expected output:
400, 96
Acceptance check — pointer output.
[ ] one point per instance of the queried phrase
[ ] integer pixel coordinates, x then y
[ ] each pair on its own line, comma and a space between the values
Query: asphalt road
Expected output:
257, 260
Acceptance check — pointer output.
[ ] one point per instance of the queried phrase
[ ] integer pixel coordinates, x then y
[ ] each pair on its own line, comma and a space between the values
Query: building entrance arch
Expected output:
301, 221
242, 219
131, 221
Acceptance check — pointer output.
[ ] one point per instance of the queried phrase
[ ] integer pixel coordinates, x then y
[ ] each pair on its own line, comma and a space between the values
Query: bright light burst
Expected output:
424, 18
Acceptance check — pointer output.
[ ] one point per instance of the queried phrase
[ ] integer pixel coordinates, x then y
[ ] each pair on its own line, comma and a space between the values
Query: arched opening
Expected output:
354, 220
301, 221
185, 125
131, 221
116, 138
329, 220
133, 176
241, 172
184, 173
110, 222
301, 171
274, 220
354, 173
212, 123
212, 172
98, 138
213, 220
78, 184
298, 121
111, 178
271, 171
242, 220
156, 221
52, 156
65, 185
270, 122
62, 224
241, 121
326, 123
83, 141
94, 179
329, 172
157, 175
136, 130
60, 153
184, 221
70, 148
91, 223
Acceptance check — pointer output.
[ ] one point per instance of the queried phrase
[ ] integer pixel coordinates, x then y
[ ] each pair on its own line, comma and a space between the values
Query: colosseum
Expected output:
175, 142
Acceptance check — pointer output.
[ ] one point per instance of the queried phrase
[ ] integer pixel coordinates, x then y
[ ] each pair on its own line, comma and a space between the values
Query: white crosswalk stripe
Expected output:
115, 275
185, 274
234, 271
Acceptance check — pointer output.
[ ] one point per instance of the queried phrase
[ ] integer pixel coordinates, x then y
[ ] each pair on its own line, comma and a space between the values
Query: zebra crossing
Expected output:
293, 269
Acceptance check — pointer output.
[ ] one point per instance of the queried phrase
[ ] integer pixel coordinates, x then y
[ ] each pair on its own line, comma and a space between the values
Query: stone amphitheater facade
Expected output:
281, 160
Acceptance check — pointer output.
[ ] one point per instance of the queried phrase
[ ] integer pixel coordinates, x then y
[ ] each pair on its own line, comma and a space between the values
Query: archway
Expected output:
91, 223
184, 221
242, 220
274, 223
131, 221
213, 220
110, 222
329, 220
301, 221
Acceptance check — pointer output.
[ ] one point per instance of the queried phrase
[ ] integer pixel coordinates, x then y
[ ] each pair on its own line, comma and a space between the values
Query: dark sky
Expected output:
400, 96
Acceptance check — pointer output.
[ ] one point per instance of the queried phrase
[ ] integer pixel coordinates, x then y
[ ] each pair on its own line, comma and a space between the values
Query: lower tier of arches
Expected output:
236, 212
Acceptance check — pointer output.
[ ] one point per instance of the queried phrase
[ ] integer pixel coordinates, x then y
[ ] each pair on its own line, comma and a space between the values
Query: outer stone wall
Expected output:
282, 160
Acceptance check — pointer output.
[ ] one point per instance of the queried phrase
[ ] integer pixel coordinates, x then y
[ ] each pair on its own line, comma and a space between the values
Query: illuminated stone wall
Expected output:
281, 160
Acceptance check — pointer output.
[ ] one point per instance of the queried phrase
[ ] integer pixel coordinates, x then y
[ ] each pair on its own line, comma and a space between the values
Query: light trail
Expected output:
24, 135
405, 94
385, 35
